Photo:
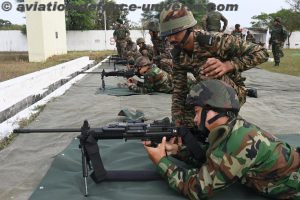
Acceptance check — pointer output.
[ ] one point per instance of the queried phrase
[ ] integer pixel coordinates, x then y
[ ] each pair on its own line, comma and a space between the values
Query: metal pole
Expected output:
104, 14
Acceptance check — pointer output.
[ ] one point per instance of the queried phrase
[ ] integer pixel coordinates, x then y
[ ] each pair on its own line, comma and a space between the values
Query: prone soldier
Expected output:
237, 151
145, 49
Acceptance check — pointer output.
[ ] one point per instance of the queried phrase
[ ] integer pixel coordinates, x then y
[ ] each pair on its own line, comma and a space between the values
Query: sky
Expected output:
247, 9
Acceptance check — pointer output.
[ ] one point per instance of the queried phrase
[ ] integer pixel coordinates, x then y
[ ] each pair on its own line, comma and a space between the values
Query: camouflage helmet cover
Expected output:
277, 19
177, 18
142, 61
140, 40
153, 26
214, 94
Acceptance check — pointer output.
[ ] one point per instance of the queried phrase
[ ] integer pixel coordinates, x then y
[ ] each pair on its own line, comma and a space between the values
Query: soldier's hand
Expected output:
214, 68
172, 147
156, 154
132, 80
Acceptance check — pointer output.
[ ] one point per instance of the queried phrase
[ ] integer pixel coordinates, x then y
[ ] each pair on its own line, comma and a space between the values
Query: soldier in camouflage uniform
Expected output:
120, 35
237, 151
131, 49
278, 36
161, 49
207, 56
145, 49
250, 37
212, 22
155, 79
237, 32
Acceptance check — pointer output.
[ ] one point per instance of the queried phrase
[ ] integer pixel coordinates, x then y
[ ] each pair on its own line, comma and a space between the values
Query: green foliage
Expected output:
111, 16
24, 30
289, 18
78, 20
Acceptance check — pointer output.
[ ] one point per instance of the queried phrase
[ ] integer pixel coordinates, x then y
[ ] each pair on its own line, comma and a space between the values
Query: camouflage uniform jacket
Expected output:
161, 48
278, 34
237, 33
245, 154
121, 32
147, 50
155, 80
224, 47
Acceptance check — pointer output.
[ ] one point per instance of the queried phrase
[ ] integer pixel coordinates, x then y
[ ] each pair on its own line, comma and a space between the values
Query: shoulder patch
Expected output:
205, 40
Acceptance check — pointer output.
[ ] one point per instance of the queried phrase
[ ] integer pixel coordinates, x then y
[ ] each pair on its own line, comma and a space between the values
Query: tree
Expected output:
289, 18
112, 14
295, 4
80, 20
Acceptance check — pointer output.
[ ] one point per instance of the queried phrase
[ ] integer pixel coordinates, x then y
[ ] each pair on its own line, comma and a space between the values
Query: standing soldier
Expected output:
212, 22
161, 49
120, 35
237, 32
250, 37
145, 49
278, 36
207, 56
131, 48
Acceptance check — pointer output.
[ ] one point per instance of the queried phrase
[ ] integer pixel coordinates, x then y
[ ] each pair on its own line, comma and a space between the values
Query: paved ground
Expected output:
25, 162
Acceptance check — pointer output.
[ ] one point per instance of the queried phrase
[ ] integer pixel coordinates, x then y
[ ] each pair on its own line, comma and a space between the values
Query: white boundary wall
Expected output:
14, 40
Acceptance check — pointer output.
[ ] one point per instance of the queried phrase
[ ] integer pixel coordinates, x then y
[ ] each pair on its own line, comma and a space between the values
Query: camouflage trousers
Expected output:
240, 90
121, 47
277, 51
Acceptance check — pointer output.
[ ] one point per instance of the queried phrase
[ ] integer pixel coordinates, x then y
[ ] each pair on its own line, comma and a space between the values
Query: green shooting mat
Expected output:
64, 178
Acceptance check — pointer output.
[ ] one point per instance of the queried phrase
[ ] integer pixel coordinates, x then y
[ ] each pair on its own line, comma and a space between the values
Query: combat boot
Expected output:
252, 92
276, 64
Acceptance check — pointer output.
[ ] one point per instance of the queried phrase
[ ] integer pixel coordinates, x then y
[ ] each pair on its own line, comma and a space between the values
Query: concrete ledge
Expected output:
21, 92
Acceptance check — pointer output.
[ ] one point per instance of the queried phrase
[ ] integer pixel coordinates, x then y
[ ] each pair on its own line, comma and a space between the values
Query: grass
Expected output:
14, 64
289, 64
23, 123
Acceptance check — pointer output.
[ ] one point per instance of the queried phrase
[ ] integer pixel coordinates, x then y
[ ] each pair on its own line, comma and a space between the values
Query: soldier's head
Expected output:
129, 41
153, 27
120, 21
237, 26
140, 42
143, 65
176, 25
215, 104
131, 63
277, 20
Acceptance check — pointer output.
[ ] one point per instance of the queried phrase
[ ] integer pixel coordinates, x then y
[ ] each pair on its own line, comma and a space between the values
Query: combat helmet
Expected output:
172, 21
140, 40
142, 61
277, 19
153, 26
215, 95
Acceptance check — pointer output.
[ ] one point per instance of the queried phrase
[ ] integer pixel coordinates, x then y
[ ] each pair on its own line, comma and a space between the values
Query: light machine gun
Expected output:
90, 154
120, 73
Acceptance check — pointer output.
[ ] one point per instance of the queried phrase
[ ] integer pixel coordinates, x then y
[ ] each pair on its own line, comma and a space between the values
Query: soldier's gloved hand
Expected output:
156, 154
214, 68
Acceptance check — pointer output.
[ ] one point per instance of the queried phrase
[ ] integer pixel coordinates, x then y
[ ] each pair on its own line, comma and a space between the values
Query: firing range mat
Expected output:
26, 161
64, 178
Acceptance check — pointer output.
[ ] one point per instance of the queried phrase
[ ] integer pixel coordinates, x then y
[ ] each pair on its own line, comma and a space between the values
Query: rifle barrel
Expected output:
67, 130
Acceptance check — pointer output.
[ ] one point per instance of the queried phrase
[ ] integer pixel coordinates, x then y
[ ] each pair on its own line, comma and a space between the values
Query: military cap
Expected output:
142, 61
120, 21
215, 95
140, 40
153, 26
172, 21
